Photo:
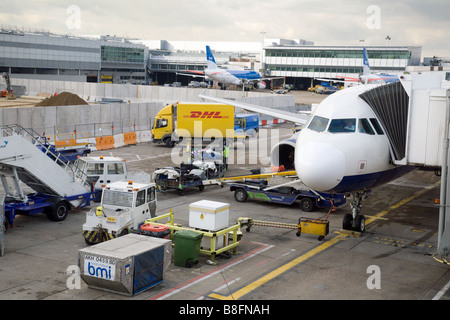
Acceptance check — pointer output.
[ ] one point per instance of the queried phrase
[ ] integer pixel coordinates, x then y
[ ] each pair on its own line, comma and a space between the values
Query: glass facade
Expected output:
315, 69
332, 61
122, 54
351, 54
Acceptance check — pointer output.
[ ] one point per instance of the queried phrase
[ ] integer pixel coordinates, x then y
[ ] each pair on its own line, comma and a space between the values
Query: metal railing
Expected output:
72, 168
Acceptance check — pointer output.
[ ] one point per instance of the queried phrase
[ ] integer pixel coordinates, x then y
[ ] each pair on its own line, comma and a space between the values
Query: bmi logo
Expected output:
99, 269
5, 143
205, 115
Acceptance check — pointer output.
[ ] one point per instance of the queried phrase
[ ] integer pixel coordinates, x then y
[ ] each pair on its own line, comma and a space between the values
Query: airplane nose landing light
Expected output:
320, 166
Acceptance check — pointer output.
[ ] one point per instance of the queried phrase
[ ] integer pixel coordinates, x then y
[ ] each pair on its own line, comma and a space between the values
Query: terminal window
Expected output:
350, 54
120, 54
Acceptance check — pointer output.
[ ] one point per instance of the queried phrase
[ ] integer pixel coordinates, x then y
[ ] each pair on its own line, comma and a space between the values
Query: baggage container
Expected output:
126, 265
209, 215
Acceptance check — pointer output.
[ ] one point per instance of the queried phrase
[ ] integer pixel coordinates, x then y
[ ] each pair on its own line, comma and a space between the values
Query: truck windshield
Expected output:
117, 198
160, 123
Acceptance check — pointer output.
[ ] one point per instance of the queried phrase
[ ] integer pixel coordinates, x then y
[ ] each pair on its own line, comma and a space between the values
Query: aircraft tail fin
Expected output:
366, 67
210, 59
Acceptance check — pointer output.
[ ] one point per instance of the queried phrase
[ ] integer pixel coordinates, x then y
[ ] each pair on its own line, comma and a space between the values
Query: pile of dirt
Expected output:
62, 99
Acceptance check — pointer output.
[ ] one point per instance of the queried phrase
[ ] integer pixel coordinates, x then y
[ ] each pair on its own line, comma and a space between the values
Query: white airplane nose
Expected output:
320, 166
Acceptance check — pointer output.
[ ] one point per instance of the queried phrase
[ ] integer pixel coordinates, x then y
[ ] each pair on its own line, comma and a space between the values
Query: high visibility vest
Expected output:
226, 152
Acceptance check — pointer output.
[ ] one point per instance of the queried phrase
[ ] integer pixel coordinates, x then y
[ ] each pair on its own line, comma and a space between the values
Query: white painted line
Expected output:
442, 292
229, 283
179, 289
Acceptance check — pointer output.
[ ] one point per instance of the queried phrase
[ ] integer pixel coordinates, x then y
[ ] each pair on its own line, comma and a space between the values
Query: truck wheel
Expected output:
307, 204
58, 212
240, 195
169, 143
89, 242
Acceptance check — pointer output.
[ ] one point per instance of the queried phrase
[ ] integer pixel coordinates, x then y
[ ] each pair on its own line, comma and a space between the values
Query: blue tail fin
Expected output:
366, 67
210, 59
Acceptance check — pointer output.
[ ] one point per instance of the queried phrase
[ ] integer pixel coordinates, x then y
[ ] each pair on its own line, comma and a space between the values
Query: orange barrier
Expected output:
69, 139
105, 143
65, 143
130, 138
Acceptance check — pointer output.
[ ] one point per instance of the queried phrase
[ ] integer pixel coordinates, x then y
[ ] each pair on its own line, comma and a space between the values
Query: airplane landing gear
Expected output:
355, 221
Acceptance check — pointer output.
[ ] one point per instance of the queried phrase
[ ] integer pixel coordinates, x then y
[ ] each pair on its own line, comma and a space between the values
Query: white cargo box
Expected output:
127, 265
209, 215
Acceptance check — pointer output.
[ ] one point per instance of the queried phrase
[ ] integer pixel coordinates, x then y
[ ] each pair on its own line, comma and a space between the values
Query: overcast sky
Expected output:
330, 22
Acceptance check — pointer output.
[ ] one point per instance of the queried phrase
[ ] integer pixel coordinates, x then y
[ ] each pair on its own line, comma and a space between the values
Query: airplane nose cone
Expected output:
320, 166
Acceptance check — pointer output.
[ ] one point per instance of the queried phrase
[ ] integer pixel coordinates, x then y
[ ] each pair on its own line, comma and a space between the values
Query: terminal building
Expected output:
109, 59
302, 64
299, 61
43, 55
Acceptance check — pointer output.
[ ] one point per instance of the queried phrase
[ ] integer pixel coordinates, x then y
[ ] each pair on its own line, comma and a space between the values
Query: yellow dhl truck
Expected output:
206, 120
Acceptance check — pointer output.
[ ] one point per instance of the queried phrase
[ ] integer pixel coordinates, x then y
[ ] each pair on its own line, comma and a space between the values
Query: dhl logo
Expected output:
205, 115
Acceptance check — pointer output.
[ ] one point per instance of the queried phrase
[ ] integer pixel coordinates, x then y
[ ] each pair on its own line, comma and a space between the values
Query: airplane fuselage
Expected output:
343, 147
232, 77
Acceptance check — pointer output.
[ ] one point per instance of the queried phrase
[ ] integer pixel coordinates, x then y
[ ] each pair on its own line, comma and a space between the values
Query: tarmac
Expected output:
391, 260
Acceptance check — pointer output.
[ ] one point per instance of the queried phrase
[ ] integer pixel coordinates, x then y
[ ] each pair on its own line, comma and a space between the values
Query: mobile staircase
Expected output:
58, 185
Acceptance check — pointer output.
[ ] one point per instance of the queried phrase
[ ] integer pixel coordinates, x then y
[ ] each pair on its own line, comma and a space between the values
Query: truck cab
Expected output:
247, 124
102, 170
164, 126
124, 208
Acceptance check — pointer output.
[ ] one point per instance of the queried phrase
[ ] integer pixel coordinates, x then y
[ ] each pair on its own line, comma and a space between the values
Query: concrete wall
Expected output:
97, 119
93, 92
142, 103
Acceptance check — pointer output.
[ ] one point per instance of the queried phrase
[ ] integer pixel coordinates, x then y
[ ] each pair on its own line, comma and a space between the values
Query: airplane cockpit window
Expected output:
318, 124
342, 125
365, 127
377, 126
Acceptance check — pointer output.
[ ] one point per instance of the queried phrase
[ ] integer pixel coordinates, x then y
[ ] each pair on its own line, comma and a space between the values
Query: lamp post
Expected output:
262, 53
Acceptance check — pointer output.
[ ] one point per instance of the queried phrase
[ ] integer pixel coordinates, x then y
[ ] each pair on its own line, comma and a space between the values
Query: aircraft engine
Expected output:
283, 154
261, 85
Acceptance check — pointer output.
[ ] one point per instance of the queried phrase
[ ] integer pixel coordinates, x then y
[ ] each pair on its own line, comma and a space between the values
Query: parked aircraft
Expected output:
367, 76
344, 147
227, 77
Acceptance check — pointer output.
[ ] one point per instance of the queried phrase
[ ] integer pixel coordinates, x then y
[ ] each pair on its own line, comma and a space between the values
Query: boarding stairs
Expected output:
24, 157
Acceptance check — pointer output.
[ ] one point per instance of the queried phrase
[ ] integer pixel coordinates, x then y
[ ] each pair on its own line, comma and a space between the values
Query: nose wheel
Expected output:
355, 221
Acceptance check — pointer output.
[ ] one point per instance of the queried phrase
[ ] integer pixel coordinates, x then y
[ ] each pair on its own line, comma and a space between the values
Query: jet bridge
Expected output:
415, 115
21, 159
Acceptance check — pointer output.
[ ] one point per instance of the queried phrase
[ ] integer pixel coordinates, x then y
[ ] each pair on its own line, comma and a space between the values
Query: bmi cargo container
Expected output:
126, 265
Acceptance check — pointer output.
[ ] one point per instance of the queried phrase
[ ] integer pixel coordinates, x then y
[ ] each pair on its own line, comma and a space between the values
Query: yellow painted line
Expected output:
261, 281
252, 286
370, 219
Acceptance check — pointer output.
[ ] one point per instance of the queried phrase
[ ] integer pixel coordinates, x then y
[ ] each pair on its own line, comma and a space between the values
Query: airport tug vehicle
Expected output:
125, 206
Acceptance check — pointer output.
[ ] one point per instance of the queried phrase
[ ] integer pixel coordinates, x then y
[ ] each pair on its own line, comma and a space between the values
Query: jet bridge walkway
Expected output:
415, 115
24, 157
